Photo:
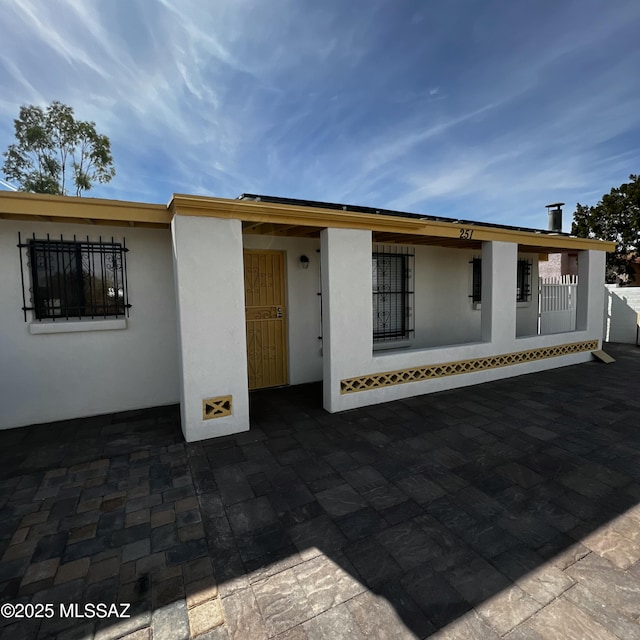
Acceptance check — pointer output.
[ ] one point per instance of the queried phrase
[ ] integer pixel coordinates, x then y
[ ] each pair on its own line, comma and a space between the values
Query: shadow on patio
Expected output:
505, 508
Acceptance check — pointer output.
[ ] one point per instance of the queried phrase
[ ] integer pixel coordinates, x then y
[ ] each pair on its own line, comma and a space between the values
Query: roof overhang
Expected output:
288, 220
17, 205
268, 218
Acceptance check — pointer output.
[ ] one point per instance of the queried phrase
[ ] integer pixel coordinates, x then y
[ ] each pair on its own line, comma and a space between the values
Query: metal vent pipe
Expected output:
555, 216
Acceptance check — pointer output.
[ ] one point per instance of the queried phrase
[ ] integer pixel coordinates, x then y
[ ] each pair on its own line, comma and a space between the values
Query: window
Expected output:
523, 291
524, 281
76, 279
392, 295
476, 291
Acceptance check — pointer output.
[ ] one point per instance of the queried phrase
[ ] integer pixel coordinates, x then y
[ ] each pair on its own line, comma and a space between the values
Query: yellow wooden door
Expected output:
266, 317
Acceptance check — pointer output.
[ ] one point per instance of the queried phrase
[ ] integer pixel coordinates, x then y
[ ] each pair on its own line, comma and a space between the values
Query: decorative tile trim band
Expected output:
216, 407
418, 374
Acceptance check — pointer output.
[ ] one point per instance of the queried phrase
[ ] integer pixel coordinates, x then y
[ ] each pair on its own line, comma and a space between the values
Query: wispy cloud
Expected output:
488, 112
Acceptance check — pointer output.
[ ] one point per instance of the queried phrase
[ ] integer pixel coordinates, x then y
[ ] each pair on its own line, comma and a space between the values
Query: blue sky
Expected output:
474, 109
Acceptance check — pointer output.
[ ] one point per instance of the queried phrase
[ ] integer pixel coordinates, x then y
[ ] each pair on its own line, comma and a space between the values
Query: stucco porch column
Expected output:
209, 278
499, 269
347, 323
590, 303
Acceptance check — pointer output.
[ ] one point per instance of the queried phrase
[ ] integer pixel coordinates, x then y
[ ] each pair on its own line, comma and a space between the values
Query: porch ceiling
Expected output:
381, 237
301, 231
282, 230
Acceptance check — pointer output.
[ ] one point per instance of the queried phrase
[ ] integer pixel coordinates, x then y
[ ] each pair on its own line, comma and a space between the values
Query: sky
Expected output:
473, 109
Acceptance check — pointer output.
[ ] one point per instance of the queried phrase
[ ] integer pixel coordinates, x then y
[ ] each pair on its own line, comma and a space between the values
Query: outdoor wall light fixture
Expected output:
304, 262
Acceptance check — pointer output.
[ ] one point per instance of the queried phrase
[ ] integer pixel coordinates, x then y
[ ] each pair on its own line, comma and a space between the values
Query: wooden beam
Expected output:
308, 232
282, 230
249, 227
603, 356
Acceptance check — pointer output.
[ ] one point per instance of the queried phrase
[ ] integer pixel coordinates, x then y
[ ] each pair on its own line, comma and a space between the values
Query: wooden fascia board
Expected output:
266, 212
255, 211
82, 209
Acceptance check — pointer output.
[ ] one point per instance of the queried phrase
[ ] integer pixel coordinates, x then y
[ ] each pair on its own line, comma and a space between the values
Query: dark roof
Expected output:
386, 212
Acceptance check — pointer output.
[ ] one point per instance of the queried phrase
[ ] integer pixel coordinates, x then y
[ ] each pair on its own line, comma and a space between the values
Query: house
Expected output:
110, 306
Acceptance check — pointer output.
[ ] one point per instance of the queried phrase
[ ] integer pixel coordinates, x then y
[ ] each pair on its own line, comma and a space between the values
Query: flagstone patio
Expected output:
510, 509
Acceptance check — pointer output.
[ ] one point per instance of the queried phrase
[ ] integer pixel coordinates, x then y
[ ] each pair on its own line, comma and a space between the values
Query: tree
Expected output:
53, 150
616, 217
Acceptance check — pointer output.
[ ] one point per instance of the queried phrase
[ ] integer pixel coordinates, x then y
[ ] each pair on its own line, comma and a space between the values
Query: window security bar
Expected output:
392, 293
476, 290
523, 280
74, 278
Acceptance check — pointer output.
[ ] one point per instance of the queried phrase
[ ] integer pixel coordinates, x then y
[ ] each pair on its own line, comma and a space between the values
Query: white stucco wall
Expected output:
527, 312
443, 311
621, 309
303, 303
499, 260
590, 302
46, 377
209, 278
347, 309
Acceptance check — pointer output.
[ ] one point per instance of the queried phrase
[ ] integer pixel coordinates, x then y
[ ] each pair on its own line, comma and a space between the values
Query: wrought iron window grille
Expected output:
476, 287
523, 281
73, 278
392, 293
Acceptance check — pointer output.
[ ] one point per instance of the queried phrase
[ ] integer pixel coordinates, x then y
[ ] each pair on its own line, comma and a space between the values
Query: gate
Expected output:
558, 304
266, 317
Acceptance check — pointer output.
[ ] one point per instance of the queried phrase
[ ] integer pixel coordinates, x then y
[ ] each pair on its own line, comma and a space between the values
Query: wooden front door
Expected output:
266, 317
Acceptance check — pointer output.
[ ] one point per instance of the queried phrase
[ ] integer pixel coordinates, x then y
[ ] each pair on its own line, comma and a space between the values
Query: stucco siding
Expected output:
527, 312
56, 376
444, 312
207, 258
621, 312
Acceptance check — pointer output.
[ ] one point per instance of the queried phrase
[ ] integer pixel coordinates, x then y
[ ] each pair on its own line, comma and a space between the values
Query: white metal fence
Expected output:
557, 304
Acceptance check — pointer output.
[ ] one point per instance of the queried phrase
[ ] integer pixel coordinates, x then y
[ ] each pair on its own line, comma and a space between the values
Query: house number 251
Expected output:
466, 234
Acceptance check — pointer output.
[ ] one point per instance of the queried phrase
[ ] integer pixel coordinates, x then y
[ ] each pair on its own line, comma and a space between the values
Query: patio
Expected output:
509, 509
